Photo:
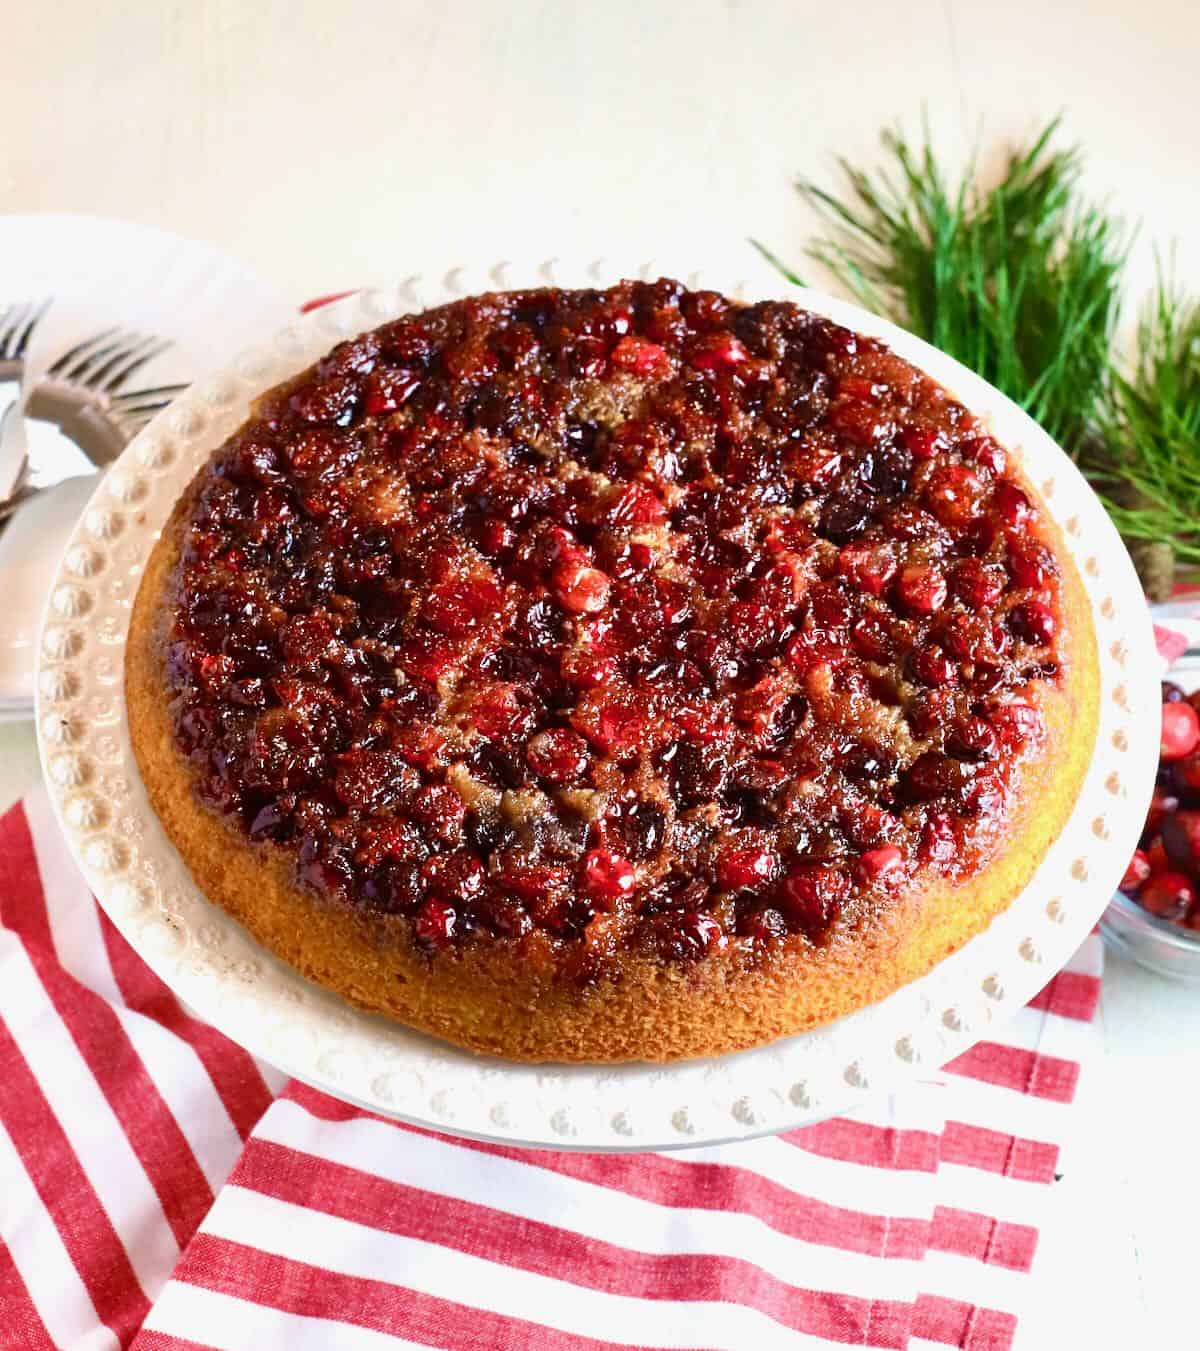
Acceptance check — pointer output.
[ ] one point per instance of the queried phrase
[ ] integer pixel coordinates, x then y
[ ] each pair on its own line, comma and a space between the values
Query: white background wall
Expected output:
332, 144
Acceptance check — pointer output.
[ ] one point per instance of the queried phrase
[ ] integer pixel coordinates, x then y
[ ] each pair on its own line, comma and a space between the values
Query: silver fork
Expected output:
99, 368
83, 393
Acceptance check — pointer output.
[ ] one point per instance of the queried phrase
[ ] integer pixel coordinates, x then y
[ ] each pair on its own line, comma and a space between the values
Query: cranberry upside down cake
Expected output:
605, 675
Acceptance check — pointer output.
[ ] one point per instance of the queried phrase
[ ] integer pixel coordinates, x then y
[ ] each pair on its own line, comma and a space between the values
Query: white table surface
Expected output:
331, 145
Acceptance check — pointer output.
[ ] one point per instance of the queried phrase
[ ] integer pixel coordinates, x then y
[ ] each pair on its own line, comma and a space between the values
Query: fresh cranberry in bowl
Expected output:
1155, 915
1180, 731
1168, 895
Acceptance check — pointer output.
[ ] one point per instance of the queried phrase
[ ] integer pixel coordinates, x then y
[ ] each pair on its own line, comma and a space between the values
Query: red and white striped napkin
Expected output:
161, 1189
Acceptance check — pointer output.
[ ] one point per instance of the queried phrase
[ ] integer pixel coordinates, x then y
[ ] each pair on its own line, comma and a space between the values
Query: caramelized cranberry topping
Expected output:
628, 617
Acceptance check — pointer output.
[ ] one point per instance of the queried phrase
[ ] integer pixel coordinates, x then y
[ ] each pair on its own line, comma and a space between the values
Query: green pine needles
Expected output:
1021, 281
1146, 460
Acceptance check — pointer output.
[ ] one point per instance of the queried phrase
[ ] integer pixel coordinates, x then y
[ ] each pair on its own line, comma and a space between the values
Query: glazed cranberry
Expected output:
305, 639
718, 351
505, 916
934, 775
436, 922
986, 452
388, 389
641, 357
928, 711
371, 780
457, 607
860, 387
587, 670
558, 755
196, 727
498, 711
560, 545
814, 648
939, 845
830, 605
869, 566
640, 827
582, 590
1033, 622
752, 626
931, 666
976, 584
975, 539
426, 658
846, 515
420, 746
606, 876
953, 493
973, 739
763, 926
884, 866
745, 868
966, 637
457, 876
1180, 731
1167, 895
535, 882
1181, 840
497, 538
921, 443
441, 811
1030, 565
1011, 505
872, 638
583, 438
987, 798
691, 935
323, 401
1136, 872
615, 723
922, 588
1171, 693
1017, 723
812, 895
635, 504
859, 422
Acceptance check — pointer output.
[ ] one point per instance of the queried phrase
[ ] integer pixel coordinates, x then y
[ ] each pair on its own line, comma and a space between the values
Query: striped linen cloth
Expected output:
162, 1190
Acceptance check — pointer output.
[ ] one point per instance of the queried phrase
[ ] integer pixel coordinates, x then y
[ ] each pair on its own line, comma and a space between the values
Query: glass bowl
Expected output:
1155, 943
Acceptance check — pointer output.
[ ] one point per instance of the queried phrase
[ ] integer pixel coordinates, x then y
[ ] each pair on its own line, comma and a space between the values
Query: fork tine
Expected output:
132, 397
95, 365
36, 316
97, 368
113, 374
4, 313
82, 371
77, 357
131, 412
13, 317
